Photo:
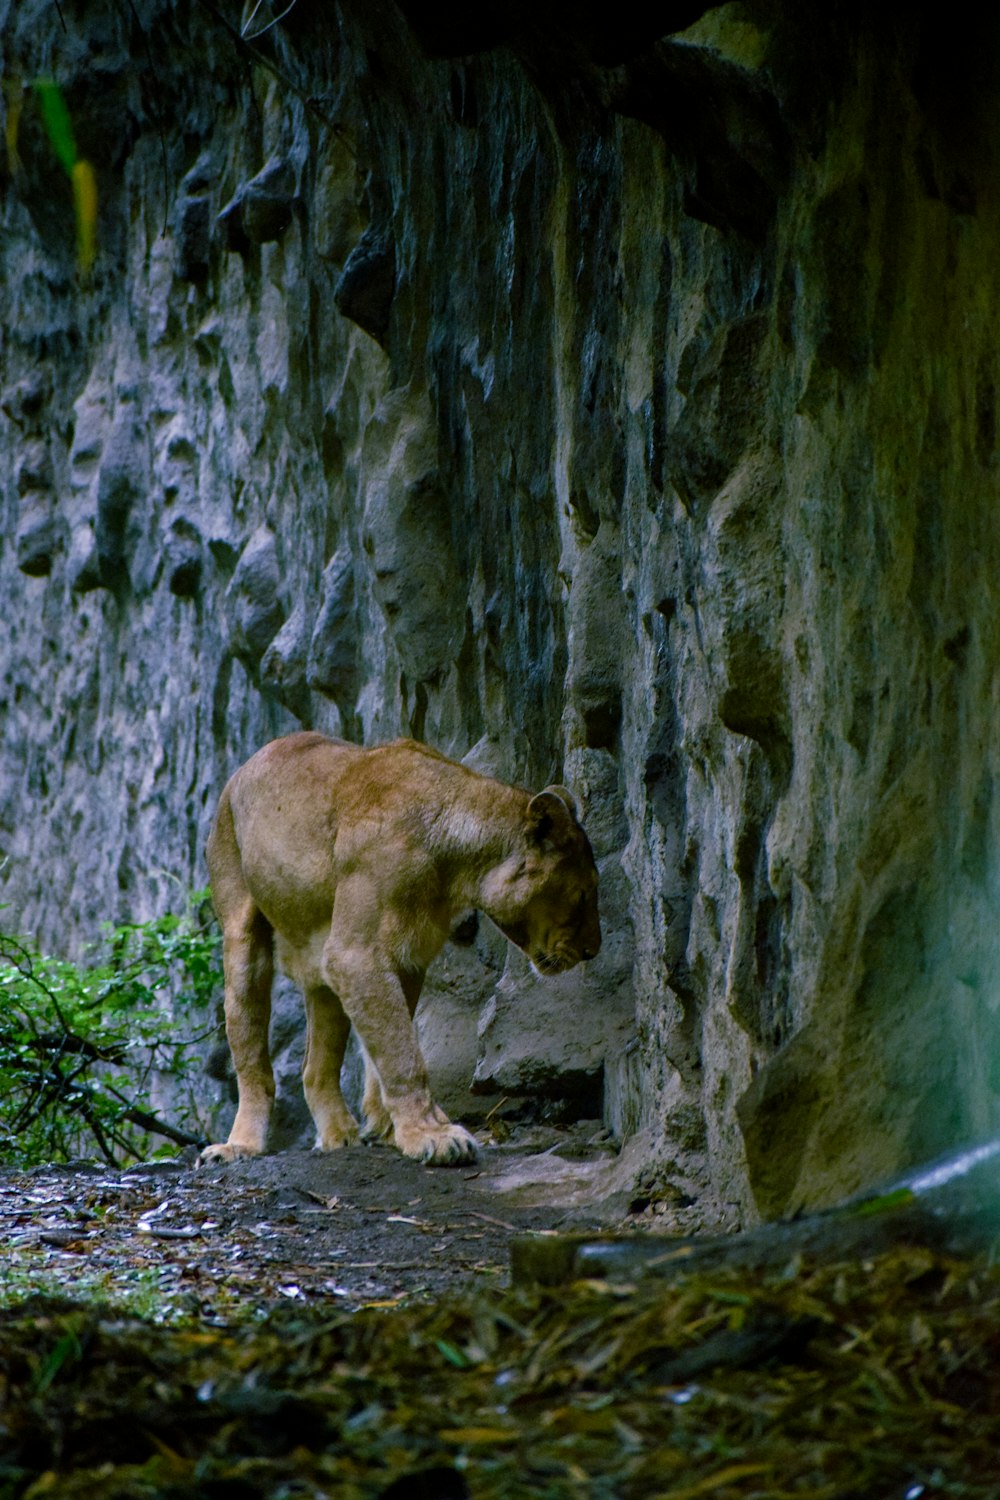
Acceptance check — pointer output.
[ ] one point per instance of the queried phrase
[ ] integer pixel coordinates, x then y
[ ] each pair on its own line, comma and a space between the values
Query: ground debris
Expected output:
365, 1226
840, 1379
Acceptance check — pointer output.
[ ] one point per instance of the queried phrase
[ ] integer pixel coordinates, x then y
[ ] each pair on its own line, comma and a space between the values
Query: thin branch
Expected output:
153, 1123
55, 1088
258, 57
24, 964
245, 30
98, 1134
122, 1140
70, 1043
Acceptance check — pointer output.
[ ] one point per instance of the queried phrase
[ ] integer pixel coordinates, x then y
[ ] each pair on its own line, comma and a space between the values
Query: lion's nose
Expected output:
592, 942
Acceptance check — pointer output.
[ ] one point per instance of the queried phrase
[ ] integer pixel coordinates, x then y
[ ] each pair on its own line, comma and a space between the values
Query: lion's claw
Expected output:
226, 1151
439, 1146
336, 1140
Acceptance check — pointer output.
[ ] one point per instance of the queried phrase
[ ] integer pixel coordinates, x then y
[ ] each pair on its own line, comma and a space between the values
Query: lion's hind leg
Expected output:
376, 1119
327, 1029
247, 958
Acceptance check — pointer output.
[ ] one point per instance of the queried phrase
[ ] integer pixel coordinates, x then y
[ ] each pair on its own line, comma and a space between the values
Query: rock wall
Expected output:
614, 410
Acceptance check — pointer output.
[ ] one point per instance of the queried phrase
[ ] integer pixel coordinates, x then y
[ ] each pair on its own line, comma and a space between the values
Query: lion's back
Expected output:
304, 806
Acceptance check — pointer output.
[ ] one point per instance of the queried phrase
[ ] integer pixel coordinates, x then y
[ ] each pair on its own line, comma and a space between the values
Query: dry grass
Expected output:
872, 1379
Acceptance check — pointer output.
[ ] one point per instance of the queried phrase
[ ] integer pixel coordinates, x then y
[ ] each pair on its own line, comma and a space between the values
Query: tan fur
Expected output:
351, 867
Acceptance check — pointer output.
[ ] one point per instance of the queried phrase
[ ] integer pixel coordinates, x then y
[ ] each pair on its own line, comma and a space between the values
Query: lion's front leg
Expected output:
377, 1119
373, 997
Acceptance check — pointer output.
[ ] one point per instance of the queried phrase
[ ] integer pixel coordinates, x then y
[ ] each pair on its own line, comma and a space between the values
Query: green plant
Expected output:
83, 1047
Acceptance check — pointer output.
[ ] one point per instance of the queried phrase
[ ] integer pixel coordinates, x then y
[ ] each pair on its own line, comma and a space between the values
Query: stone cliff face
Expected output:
615, 410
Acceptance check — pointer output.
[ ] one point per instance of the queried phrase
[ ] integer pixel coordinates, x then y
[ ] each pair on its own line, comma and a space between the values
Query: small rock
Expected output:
34, 470
256, 613
84, 568
39, 538
283, 667
183, 560
262, 209
26, 400
417, 583
61, 1239
193, 232
332, 662
119, 486
193, 223
367, 284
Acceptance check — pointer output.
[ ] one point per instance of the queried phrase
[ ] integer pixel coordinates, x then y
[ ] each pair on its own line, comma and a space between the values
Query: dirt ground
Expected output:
358, 1227
389, 1362
341, 1328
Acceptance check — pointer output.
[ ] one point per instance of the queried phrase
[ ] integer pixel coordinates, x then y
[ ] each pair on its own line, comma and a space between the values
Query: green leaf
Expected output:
80, 1043
57, 122
886, 1203
67, 1348
452, 1355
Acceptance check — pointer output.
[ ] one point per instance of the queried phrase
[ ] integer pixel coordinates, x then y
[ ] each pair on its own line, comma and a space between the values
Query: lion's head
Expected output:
543, 896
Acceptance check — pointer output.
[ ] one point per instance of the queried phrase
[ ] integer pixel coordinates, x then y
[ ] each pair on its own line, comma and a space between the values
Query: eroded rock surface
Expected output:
622, 406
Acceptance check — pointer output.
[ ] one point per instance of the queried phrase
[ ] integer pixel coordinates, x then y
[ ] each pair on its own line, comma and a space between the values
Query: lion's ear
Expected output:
548, 809
565, 795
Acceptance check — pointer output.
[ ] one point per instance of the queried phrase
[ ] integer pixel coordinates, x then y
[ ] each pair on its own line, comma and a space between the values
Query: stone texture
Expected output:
334, 649
38, 539
262, 209
366, 285
256, 613
183, 558
623, 407
407, 537
193, 222
119, 492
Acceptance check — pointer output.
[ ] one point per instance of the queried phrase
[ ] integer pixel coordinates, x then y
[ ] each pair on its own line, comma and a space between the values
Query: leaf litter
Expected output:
849, 1377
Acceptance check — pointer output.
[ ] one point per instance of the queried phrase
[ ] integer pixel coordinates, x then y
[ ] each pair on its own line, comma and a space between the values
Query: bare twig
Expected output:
244, 45
87, 1110
153, 1123
489, 1219
249, 36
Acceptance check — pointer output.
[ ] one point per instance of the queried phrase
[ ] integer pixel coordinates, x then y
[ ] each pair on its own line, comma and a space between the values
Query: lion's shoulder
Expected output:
414, 748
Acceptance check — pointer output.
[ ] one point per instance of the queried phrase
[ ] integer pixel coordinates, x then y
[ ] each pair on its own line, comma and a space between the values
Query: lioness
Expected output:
352, 865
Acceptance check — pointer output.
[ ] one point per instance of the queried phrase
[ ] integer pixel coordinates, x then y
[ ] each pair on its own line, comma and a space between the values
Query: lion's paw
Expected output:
225, 1151
439, 1145
334, 1139
377, 1126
